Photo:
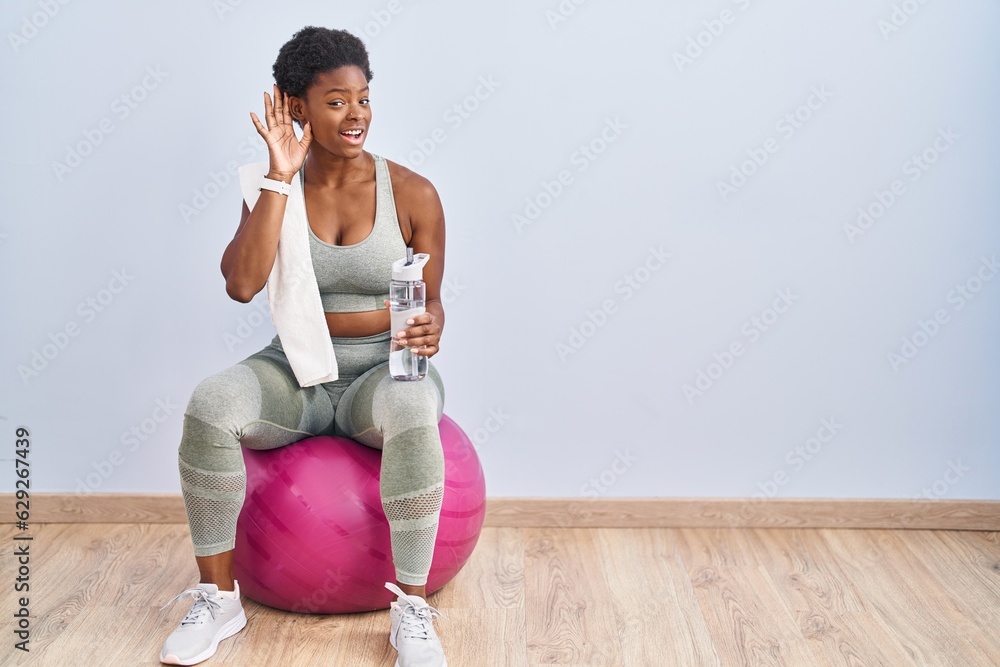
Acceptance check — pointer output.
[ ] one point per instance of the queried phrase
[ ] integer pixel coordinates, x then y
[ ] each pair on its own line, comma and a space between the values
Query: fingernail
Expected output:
409, 321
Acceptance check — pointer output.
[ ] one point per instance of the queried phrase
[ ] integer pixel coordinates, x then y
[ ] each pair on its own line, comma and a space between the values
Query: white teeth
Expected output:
353, 133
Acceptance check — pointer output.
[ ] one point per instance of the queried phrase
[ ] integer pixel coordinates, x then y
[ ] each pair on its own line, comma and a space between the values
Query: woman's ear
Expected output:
297, 108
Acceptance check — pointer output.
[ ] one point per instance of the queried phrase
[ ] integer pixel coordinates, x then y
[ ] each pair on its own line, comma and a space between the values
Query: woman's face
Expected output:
336, 106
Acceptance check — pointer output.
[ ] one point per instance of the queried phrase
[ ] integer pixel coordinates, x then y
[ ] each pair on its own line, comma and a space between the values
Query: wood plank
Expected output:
485, 600
827, 608
902, 596
968, 583
493, 577
749, 622
481, 636
571, 619
655, 606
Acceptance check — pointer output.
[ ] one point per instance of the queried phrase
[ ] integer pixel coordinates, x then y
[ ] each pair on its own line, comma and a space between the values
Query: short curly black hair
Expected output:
313, 50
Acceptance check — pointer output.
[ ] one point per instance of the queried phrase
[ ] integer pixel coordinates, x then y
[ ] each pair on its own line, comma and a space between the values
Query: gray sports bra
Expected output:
356, 277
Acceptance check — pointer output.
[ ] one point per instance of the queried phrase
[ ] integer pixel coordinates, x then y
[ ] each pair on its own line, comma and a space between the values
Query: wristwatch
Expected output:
277, 186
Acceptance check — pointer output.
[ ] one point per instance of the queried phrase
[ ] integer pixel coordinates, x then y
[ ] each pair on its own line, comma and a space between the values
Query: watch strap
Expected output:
275, 186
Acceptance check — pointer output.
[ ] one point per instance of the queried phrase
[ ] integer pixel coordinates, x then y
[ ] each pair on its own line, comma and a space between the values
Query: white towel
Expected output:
292, 290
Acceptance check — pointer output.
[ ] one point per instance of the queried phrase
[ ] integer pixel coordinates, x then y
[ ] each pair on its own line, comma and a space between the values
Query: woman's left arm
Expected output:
427, 226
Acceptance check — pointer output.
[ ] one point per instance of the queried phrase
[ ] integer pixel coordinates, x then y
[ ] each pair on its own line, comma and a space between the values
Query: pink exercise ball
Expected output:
312, 536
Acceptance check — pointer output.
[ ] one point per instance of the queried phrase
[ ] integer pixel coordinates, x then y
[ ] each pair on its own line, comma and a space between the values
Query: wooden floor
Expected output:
566, 596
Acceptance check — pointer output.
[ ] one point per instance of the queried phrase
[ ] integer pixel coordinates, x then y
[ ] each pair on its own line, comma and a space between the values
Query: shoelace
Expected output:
202, 602
415, 621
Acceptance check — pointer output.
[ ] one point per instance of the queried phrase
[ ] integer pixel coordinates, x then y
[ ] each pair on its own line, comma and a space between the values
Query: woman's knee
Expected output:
223, 399
258, 404
375, 402
414, 403
217, 409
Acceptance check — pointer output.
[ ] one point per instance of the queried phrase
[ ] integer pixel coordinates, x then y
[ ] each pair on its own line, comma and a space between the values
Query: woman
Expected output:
322, 81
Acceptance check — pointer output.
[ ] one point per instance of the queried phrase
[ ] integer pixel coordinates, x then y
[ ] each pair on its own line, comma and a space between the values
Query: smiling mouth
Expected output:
353, 133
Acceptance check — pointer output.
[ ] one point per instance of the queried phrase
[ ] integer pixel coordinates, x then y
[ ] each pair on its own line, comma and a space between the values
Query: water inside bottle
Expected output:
404, 364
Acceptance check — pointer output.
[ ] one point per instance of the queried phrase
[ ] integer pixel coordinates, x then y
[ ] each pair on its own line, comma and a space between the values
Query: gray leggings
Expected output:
257, 403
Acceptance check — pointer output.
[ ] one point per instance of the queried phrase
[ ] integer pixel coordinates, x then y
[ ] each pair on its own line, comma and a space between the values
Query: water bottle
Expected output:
407, 297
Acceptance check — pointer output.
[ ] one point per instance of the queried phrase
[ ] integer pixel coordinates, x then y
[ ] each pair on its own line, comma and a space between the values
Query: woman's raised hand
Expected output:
287, 152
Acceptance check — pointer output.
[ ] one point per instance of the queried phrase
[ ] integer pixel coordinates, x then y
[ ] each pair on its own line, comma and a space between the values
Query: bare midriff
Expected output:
355, 325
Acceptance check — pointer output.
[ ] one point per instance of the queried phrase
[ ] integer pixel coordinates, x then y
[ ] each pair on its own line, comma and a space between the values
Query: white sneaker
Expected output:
212, 618
412, 631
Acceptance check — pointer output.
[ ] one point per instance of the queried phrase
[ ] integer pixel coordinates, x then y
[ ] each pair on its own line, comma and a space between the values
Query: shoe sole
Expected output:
443, 664
228, 630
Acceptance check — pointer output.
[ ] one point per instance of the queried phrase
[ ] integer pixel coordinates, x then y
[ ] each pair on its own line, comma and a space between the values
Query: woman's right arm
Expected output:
248, 258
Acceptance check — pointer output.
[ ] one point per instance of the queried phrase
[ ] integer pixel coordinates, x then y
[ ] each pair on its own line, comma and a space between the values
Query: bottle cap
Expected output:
412, 272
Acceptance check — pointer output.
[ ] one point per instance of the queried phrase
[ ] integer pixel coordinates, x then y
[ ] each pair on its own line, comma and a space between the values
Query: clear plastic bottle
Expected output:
407, 298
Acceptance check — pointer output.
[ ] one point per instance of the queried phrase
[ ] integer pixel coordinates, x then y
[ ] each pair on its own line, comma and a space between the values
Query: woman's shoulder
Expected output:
409, 184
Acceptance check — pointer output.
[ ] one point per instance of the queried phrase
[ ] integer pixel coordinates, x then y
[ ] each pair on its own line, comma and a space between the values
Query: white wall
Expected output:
665, 132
